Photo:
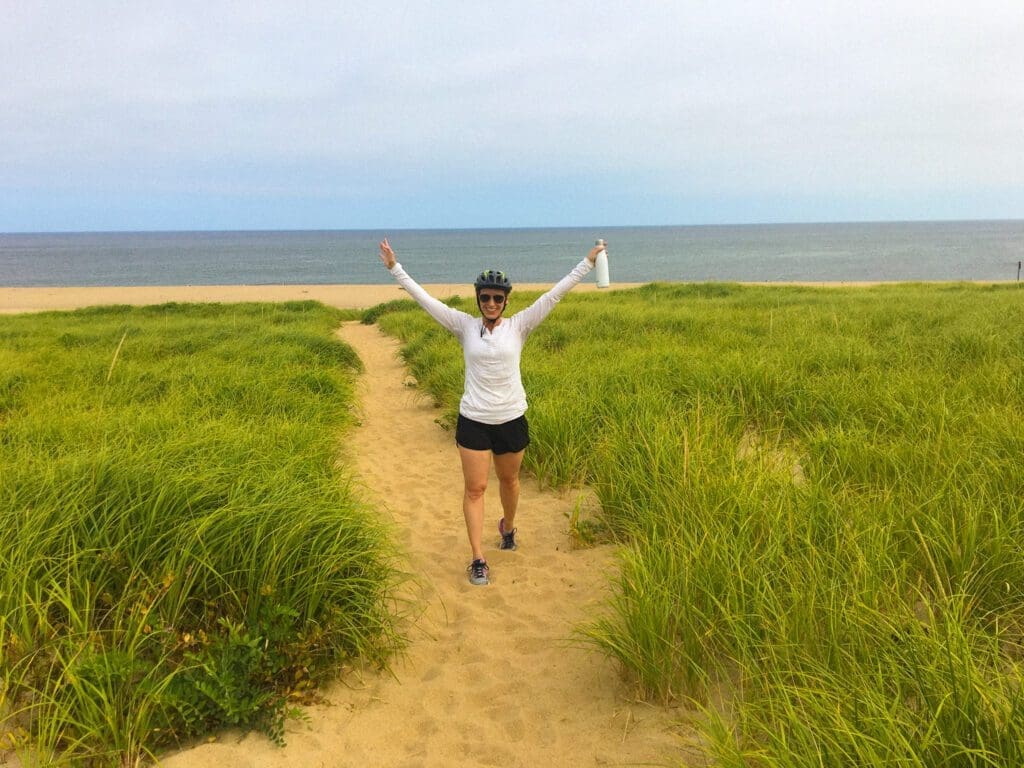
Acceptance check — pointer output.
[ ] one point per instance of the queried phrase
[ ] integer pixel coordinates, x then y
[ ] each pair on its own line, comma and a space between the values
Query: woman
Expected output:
492, 420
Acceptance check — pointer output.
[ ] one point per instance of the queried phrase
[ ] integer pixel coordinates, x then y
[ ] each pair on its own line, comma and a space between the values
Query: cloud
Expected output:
364, 100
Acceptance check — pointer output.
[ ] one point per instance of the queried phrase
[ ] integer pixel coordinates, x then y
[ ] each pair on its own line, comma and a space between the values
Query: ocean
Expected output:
841, 252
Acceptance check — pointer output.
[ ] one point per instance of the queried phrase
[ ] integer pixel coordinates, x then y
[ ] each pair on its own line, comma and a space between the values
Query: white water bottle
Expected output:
601, 265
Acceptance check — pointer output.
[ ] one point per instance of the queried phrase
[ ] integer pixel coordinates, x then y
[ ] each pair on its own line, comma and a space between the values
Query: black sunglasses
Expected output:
497, 298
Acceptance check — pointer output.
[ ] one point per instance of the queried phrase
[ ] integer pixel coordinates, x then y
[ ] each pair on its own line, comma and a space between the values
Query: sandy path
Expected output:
490, 678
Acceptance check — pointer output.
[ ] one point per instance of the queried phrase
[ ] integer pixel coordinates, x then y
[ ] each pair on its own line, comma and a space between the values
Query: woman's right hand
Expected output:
386, 254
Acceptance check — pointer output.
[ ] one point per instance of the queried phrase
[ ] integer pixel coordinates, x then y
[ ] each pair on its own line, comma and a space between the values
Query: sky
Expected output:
449, 114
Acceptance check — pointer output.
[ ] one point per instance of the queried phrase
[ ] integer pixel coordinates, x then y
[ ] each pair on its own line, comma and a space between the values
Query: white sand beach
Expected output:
14, 300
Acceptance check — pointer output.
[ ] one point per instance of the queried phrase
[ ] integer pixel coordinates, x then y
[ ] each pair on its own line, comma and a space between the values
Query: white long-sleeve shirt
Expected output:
493, 391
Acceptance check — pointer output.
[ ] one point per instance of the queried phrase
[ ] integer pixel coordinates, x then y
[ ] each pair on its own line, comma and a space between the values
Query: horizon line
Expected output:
227, 230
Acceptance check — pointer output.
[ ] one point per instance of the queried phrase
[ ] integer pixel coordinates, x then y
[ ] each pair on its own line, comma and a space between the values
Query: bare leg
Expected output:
506, 467
475, 468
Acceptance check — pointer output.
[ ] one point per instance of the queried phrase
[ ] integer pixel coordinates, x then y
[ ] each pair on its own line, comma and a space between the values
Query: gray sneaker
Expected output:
508, 540
478, 573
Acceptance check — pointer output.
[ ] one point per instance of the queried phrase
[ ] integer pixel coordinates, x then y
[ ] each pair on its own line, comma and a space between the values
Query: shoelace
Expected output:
479, 568
508, 538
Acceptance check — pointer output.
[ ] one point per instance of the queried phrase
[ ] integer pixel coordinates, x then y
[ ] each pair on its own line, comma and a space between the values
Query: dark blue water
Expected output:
976, 250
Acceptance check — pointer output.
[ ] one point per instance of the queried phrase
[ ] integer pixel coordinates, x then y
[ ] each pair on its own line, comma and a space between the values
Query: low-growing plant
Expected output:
820, 498
183, 551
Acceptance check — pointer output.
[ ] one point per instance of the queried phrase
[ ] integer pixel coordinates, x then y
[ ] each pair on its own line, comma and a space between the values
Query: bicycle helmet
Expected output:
492, 278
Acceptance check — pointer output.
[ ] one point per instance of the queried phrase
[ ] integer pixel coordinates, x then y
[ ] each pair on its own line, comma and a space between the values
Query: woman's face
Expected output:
491, 302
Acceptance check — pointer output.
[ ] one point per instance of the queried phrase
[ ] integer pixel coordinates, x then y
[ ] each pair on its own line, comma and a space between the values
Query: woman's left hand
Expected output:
592, 256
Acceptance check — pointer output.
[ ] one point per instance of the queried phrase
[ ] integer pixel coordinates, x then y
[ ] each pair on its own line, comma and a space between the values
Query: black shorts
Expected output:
510, 437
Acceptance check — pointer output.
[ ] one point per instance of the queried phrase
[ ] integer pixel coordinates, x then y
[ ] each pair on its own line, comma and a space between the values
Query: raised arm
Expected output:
450, 318
532, 316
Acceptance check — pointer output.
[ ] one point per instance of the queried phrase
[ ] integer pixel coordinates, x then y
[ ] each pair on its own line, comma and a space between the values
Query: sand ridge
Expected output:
491, 676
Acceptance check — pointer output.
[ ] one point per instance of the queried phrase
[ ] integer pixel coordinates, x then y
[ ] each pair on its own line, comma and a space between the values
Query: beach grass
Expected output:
181, 549
818, 495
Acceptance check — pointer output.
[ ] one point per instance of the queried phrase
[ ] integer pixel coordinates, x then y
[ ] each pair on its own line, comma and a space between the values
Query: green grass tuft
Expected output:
819, 496
182, 551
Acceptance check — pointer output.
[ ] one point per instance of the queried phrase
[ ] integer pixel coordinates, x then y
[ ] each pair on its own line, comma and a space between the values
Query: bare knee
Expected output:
475, 491
509, 483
